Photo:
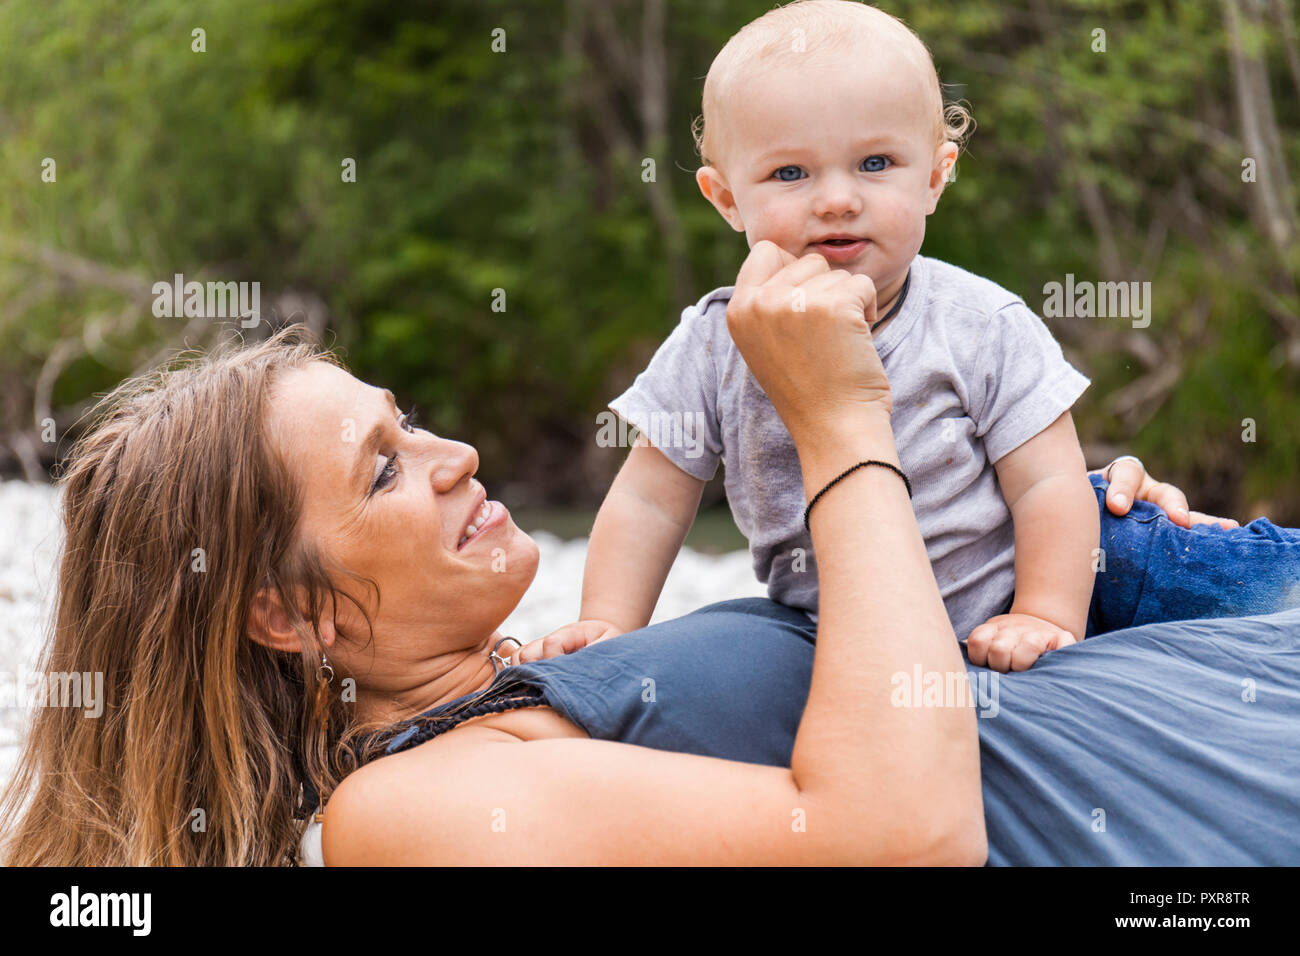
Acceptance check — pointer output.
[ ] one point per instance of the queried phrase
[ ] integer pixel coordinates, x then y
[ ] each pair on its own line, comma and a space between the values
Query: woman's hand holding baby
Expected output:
1130, 482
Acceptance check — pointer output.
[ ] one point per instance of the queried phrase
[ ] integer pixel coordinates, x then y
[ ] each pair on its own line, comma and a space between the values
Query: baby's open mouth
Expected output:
841, 250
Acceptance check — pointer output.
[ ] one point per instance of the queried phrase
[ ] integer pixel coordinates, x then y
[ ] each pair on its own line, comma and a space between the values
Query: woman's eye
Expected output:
876, 164
789, 174
389, 472
386, 475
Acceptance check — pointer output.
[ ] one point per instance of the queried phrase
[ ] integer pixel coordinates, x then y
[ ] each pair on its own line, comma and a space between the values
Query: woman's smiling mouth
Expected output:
490, 514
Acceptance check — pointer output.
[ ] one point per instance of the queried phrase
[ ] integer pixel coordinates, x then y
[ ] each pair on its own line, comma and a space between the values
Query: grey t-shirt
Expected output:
974, 373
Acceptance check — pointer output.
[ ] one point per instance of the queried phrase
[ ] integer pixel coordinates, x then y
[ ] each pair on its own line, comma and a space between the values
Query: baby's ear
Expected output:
945, 159
716, 191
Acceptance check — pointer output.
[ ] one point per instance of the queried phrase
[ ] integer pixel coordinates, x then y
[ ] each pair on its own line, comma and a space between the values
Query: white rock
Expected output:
28, 553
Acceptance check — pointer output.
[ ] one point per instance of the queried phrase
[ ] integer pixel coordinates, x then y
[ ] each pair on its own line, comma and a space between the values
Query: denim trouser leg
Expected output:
1156, 571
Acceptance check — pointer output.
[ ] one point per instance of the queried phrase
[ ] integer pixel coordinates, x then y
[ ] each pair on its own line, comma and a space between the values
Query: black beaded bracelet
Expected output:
807, 512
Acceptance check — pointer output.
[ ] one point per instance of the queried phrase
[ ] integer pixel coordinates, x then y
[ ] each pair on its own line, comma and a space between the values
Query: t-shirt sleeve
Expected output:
673, 403
1021, 383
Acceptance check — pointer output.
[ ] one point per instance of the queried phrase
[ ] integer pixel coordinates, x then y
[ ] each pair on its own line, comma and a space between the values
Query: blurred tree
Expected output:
523, 228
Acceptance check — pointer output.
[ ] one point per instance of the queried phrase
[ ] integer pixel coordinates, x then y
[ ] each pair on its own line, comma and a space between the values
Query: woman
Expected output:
269, 564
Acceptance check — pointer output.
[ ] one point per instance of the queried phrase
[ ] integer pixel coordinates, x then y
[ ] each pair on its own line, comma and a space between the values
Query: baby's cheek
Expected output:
905, 219
775, 225
782, 241
906, 233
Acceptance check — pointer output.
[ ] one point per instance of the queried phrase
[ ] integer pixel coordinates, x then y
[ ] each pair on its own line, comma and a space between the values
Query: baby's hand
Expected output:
566, 640
1012, 642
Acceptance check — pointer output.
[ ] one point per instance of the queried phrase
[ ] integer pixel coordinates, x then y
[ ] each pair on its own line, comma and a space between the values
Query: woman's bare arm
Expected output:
869, 782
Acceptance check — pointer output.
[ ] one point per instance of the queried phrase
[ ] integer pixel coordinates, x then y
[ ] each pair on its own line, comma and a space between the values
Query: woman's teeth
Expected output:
470, 531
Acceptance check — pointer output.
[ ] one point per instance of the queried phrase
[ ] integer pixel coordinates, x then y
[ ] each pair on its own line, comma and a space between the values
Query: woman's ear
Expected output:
945, 158
268, 624
716, 191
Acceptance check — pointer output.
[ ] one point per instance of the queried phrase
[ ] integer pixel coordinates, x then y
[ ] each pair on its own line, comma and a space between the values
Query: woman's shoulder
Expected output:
369, 819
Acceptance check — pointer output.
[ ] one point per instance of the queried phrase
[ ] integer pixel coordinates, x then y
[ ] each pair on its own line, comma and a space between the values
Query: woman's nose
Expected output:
453, 461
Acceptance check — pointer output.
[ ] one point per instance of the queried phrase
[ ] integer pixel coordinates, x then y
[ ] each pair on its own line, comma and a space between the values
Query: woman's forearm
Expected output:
912, 769
872, 782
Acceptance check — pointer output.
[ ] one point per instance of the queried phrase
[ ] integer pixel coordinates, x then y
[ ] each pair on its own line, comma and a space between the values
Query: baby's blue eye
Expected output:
789, 174
876, 164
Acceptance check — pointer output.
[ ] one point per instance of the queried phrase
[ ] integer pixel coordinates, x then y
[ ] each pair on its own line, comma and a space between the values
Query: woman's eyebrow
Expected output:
361, 474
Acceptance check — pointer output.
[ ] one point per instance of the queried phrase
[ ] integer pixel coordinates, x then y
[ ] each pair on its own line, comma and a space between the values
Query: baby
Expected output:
824, 131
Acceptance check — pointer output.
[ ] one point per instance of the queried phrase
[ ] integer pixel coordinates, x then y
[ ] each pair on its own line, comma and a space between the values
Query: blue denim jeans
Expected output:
1156, 571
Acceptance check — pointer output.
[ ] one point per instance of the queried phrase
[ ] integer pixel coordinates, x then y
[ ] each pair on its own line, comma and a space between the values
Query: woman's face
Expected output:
394, 503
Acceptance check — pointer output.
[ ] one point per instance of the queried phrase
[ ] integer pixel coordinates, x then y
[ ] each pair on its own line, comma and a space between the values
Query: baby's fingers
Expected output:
564, 640
1034, 645
977, 644
1031, 648
1003, 647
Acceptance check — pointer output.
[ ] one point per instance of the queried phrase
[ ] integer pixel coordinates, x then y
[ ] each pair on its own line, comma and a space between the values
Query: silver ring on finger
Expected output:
498, 661
1118, 460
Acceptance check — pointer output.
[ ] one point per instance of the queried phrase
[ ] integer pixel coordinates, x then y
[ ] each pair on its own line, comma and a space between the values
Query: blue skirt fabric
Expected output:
1172, 742
1167, 744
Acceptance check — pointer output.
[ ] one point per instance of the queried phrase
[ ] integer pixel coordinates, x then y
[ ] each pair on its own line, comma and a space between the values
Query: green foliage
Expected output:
479, 170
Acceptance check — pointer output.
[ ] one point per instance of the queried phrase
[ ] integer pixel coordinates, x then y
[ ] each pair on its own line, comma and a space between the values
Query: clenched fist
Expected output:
804, 330
1012, 642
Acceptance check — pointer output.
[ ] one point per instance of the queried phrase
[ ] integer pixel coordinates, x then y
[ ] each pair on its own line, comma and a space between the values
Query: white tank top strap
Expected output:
309, 846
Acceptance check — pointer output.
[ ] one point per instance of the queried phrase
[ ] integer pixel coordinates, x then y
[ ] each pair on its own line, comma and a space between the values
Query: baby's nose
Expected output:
838, 196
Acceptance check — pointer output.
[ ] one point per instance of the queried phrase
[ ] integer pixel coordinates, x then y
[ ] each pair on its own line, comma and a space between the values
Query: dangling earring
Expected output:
324, 677
325, 672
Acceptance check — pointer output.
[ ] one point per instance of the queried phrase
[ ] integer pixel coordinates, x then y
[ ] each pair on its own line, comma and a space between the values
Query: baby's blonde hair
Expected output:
810, 28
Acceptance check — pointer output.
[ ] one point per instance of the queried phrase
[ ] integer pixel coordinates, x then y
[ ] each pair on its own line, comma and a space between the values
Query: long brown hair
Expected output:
176, 511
